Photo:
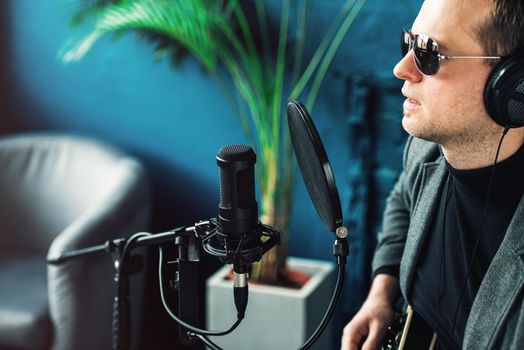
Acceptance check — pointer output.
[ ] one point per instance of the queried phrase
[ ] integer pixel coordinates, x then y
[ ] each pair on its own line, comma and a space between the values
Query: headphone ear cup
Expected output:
504, 91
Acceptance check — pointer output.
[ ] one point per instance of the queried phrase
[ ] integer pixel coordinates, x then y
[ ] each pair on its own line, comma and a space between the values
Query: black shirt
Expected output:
442, 269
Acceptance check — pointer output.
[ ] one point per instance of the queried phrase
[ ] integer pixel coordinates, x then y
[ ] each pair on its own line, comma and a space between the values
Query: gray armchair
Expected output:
60, 193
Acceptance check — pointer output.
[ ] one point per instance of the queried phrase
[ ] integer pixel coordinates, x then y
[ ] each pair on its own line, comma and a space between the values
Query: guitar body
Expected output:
409, 332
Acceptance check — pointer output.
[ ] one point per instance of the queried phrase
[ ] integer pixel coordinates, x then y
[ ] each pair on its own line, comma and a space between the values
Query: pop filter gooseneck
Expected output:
320, 183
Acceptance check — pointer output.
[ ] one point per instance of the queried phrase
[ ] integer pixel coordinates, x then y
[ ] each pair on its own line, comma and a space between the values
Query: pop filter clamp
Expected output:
187, 239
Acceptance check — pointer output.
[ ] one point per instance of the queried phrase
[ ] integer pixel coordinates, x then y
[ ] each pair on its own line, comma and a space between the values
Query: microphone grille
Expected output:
226, 197
236, 152
234, 162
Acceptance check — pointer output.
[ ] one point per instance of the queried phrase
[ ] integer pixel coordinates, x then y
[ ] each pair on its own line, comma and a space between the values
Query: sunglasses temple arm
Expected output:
442, 57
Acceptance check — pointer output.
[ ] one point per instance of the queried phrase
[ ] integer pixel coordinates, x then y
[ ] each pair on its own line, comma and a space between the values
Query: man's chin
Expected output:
413, 128
409, 124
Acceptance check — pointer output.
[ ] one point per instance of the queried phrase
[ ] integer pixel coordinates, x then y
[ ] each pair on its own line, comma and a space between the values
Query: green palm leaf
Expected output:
190, 23
220, 36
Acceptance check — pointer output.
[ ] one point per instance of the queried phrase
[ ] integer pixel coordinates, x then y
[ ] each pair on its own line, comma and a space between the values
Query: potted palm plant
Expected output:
258, 75
231, 41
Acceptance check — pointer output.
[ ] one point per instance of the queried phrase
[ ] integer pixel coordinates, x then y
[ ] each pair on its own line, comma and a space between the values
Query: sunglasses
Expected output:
427, 55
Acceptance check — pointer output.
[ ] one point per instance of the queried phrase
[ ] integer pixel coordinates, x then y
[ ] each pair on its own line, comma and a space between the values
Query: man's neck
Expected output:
474, 155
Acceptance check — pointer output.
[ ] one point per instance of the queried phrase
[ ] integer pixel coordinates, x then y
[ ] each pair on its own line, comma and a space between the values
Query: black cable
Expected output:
121, 325
130, 241
485, 211
178, 320
206, 341
329, 311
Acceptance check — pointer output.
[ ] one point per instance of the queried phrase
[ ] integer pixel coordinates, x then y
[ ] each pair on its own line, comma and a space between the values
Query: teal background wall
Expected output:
175, 120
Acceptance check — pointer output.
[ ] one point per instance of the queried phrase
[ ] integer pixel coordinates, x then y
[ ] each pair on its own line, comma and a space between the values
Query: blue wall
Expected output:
175, 120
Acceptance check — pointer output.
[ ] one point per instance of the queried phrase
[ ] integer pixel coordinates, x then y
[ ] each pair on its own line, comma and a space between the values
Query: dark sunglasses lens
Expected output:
404, 43
426, 57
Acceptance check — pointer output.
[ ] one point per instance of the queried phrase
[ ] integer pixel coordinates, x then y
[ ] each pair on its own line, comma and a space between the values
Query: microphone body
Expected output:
238, 208
238, 214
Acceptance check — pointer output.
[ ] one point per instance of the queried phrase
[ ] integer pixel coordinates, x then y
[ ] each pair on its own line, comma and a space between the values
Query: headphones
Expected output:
504, 91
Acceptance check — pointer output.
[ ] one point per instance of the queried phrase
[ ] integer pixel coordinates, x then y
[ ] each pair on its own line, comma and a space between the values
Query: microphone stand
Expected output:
187, 270
187, 239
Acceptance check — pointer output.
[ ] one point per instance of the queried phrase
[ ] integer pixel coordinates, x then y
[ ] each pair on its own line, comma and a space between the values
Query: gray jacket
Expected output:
496, 320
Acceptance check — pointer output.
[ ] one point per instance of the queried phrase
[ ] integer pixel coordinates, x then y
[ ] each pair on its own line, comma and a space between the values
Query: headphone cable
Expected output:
472, 259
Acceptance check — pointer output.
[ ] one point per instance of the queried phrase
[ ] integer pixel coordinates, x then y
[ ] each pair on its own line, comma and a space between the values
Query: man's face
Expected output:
448, 107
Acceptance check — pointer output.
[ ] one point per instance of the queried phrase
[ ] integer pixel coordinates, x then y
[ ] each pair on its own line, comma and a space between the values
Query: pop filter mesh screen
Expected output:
313, 164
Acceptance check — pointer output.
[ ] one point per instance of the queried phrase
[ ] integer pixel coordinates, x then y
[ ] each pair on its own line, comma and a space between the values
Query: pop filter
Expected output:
314, 166
320, 183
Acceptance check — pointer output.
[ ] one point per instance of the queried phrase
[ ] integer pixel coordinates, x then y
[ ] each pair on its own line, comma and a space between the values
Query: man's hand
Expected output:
366, 329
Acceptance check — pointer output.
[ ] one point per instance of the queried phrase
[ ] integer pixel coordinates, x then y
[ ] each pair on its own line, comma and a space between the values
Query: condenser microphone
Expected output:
238, 208
238, 212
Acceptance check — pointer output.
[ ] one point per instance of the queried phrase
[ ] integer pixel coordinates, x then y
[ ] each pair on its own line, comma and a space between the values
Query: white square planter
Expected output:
277, 318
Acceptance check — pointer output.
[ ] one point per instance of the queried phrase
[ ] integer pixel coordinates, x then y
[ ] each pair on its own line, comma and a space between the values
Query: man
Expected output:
453, 233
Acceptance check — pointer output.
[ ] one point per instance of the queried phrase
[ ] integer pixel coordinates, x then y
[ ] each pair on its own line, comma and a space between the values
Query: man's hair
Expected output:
503, 31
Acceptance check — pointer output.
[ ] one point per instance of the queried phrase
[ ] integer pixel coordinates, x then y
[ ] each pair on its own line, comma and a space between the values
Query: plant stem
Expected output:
333, 47
237, 108
319, 53
302, 30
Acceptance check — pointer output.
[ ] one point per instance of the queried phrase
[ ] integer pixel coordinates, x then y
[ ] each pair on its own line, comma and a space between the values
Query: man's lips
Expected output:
410, 103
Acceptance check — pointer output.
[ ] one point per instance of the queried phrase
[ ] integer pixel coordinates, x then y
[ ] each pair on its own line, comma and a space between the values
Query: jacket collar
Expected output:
502, 284
432, 179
